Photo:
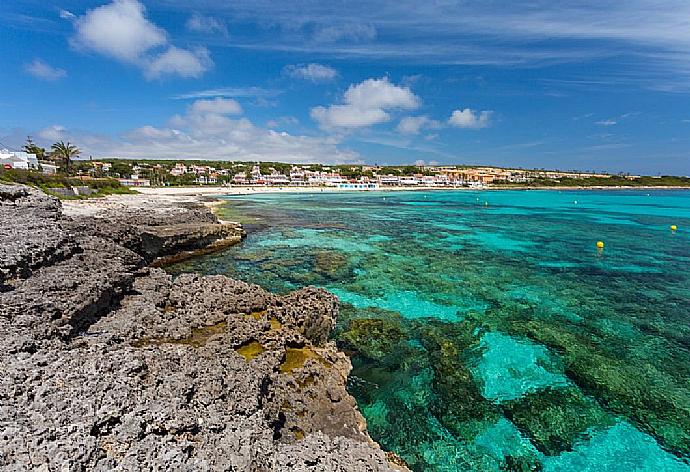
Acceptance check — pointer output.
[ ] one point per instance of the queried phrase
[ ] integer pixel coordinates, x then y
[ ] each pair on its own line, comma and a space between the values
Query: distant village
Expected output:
64, 159
360, 176
145, 174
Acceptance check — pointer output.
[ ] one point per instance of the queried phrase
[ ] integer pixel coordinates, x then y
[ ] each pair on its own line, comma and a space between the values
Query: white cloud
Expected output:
220, 106
366, 104
468, 118
606, 122
646, 33
282, 121
236, 92
120, 30
313, 72
347, 31
206, 24
380, 93
53, 133
43, 71
414, 124
67, 15
207, 130
347, 116
178, 61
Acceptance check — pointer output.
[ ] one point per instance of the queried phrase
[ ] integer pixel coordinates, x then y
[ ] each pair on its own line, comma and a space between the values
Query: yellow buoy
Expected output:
600, 244
674, 227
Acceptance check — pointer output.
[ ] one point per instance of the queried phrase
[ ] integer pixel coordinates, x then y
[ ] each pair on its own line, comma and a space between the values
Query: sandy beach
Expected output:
245, 190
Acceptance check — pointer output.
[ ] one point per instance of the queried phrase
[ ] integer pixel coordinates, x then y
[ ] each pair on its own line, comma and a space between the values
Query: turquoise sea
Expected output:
486, 330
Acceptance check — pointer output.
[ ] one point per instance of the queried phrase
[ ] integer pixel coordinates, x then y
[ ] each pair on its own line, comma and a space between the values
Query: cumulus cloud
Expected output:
178, 61
469, 118
414, 124
120, 30
365, 104
221, 106
206, 25
44, 71
313, 72
208, 129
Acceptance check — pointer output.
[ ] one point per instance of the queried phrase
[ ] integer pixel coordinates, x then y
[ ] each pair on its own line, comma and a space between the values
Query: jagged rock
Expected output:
108, 364
30, 235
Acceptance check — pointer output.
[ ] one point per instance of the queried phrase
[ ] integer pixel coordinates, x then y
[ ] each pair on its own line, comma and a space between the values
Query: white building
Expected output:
179, 169
135, 182
240, 178
48, 169
18, 159
277, 179
408, 180
389, 180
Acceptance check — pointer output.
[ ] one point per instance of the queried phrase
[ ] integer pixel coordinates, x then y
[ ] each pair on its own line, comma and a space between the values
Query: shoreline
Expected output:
215, 192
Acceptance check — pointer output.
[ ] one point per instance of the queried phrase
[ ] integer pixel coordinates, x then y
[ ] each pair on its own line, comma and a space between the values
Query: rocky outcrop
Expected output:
111, 364
30, 235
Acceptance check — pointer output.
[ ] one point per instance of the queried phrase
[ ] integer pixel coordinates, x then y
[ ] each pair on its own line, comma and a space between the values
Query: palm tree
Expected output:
63, 153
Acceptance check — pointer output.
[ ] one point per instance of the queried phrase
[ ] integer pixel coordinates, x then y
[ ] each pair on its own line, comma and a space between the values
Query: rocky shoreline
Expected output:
108, 363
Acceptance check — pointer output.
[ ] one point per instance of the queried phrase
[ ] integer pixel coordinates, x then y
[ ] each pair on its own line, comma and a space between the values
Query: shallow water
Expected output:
486, 330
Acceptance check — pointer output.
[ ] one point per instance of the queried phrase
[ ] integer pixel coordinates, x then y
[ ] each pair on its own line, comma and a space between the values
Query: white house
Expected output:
18, 159
178, 170
389, 180
48, 169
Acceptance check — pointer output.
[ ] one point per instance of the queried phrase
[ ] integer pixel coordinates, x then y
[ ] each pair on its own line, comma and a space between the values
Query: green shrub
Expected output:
46, 182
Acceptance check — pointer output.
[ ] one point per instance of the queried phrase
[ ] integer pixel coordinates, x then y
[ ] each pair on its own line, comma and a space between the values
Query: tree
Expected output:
63, 153
32, 148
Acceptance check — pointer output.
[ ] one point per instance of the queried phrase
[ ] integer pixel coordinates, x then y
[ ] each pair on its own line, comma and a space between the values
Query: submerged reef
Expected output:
496, 337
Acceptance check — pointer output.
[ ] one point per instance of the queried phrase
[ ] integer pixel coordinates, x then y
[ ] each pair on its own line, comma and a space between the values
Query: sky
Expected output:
576, 84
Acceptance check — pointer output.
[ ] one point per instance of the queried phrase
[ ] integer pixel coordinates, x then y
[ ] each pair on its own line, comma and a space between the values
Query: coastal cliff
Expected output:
108, 363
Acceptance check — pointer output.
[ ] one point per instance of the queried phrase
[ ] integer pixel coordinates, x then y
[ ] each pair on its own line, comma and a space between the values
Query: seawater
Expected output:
486, 330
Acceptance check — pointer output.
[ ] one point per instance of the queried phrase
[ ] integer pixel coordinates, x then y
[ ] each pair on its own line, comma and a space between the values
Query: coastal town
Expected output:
146, 173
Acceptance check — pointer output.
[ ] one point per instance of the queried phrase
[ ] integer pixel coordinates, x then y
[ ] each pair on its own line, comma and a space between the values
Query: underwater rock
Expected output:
373, 338
557, 418
331, 265
460, 406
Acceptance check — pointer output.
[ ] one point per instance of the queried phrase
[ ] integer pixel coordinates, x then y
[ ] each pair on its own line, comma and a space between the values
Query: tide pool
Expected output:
486, 330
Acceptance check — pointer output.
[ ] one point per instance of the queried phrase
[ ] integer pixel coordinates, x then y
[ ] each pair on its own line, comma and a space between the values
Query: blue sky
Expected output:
571, 85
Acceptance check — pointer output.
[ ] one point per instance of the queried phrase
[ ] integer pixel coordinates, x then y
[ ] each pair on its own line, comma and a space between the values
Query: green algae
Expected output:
332, 265
374, 338
199, 337
257, 315
250, 350
296, 357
